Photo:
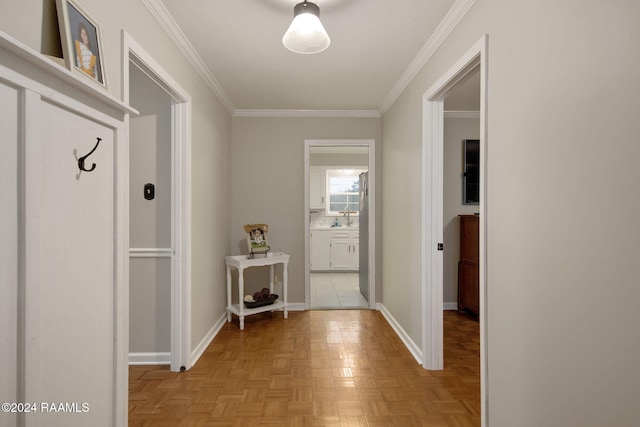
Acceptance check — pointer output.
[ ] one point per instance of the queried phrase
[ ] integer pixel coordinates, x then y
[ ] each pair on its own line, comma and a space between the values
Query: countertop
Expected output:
328, 228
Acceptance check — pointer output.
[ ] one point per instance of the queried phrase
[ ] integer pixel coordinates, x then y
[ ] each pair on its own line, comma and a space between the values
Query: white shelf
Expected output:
48, 65
236, 308
243, 261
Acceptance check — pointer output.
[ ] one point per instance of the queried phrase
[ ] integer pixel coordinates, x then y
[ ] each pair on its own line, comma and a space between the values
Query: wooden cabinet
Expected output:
320, 250
468, 266
344, 250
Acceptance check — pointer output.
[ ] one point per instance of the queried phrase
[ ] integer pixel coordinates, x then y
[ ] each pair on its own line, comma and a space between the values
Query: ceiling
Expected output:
375, 45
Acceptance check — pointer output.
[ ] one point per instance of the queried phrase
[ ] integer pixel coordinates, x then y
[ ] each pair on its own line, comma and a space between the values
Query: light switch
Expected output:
149, 191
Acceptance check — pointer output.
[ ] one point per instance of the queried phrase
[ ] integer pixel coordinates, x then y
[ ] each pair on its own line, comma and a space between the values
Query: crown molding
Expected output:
455, 14
166, 21
462, 114
308, 113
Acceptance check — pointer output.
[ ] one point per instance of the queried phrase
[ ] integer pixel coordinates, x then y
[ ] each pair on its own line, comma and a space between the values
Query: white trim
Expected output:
449, 306
474, 58
58, 99
308, 113
181, 196
121, 295
461, 114
169, 25
432, 225
149, 358
151, 252
371, 144
49, 66
199, 350
450, 21
297, 306
413, 348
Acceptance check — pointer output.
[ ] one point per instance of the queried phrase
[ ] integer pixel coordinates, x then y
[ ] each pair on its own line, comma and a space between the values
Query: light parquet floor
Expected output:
317, 368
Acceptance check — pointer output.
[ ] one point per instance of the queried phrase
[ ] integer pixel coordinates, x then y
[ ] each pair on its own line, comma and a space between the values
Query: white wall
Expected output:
268, 182
34, 23
562, 199
455, 131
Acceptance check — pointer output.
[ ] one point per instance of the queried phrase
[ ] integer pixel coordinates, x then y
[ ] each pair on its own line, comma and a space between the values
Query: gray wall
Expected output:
455, 131
34, 23
562, 252
342, 159
268, 182
150, 220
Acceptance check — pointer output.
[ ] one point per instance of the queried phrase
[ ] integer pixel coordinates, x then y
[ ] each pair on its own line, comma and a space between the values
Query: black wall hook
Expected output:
81, 159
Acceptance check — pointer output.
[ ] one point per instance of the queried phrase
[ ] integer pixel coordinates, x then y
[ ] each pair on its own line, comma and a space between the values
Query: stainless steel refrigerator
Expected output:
364, 235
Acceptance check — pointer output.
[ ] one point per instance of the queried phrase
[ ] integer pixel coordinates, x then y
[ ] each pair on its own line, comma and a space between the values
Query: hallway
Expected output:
318, 368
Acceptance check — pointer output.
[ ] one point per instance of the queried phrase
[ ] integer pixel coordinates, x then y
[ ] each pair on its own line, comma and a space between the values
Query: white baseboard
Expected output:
450, 306
413, 348
206, 340
296, 306
150, 358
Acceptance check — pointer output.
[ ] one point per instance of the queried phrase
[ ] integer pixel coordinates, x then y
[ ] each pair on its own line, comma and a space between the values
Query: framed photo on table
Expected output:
81, 41
257, 238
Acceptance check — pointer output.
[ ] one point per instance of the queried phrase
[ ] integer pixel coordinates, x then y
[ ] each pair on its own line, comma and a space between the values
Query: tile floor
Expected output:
336, 291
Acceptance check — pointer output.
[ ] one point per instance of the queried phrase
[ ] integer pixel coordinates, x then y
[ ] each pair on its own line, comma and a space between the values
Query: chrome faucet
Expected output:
347, 212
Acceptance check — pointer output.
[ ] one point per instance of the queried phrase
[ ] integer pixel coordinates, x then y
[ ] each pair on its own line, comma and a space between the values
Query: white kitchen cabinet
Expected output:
320, 250
344, 250
317, 187
356, 252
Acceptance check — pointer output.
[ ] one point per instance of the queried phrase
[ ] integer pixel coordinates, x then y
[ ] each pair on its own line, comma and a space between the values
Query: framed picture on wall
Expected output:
471, 172
81, 41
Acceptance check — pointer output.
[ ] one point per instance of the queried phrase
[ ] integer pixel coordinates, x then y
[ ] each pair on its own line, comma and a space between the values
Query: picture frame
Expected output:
471, 172
81, 39
257, 239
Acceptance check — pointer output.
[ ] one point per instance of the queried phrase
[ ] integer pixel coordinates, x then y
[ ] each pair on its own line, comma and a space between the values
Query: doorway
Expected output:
339, 224
474, 60
161, 260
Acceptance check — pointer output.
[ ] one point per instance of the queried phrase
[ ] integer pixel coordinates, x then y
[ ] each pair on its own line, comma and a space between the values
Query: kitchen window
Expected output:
343, 191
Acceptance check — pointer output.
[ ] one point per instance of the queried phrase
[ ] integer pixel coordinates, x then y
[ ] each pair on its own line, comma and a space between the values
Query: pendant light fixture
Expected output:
306, 34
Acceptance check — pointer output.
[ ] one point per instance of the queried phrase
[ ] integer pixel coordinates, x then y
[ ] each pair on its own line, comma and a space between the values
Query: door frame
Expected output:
133, 53
371, 144
432, 211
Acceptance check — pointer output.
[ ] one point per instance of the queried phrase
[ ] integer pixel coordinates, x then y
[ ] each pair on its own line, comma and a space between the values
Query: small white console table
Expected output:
241, 262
